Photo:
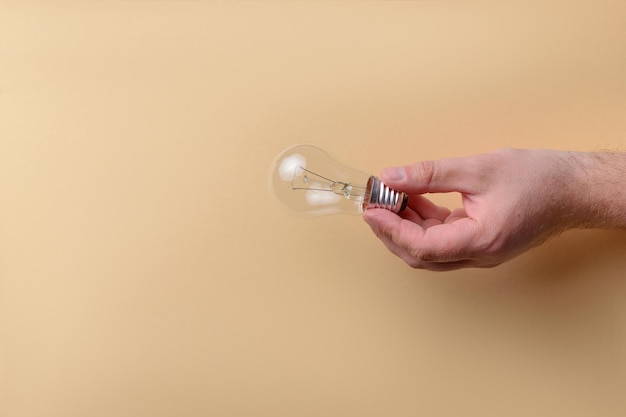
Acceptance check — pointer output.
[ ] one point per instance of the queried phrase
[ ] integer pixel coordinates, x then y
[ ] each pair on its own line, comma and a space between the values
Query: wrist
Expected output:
599, 194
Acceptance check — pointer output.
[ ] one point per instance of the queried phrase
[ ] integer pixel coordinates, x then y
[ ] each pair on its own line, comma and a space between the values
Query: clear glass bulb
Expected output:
309, 181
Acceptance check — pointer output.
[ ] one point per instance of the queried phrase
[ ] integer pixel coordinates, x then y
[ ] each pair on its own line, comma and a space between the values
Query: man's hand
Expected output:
513, 200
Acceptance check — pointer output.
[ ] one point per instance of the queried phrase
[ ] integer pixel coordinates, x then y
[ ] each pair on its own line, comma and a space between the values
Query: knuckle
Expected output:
420, 256
426, 171
385, 232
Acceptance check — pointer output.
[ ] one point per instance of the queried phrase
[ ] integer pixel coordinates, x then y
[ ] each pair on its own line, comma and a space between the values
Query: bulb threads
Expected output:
378, 195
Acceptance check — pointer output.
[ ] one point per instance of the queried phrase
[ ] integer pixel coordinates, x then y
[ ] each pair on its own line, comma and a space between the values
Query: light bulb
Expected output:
309, 181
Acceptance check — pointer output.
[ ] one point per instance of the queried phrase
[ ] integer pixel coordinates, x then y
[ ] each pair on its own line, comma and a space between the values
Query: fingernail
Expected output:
393, 174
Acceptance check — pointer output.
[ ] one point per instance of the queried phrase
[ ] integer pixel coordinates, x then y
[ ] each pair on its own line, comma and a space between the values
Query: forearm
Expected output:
600, 179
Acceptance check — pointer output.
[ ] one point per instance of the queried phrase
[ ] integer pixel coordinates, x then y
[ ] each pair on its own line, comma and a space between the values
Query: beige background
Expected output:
147, 271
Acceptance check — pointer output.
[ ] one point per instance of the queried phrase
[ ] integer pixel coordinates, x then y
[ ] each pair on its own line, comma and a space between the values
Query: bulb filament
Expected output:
345, 189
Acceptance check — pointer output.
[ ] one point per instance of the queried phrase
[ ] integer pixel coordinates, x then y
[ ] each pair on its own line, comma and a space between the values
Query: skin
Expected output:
513, 200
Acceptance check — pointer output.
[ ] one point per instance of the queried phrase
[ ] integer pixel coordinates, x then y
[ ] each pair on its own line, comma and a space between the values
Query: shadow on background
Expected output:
575, 253
589, 258
563, 299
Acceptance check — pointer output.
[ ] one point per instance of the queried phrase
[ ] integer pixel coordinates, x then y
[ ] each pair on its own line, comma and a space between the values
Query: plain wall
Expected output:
146, 269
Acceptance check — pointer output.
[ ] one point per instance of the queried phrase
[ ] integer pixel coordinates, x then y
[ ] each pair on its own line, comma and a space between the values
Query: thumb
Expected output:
440, 176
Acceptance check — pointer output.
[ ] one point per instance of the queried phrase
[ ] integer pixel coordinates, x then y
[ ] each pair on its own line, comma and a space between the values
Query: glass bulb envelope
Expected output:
309, 181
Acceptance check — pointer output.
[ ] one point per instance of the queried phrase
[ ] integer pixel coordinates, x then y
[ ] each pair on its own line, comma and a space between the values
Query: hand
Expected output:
512, 200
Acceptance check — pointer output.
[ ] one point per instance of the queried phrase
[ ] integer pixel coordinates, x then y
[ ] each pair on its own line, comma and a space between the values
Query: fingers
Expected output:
441, 176
439, 247
455, 215
427, 209
424, 213
430, 236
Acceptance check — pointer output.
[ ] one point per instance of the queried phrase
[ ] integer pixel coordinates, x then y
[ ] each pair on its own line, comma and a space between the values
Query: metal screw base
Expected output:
378, 195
